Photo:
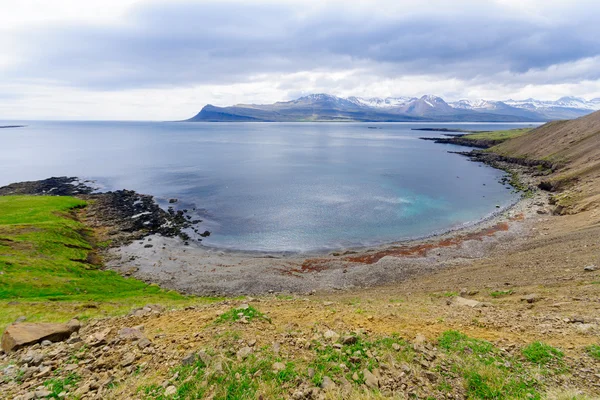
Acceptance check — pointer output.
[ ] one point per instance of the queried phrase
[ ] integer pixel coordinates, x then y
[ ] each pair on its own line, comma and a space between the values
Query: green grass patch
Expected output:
237, 314
488, 373
542, 353
249, 379
594, 351
329, 360
49, 270
59, 385
501, 293
499, 136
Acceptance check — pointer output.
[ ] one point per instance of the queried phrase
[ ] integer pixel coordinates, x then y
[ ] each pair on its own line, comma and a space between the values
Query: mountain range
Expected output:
325, 107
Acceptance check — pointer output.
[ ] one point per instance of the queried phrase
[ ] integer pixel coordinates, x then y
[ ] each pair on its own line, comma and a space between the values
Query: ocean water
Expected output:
273, 186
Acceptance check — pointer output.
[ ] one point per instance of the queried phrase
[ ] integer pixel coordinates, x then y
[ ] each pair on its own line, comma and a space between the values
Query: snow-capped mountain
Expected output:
565, 102
326, 107
377, 102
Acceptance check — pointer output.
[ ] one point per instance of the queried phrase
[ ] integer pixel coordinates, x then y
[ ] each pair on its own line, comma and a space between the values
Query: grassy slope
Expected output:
498, 135
575, 146
45, 268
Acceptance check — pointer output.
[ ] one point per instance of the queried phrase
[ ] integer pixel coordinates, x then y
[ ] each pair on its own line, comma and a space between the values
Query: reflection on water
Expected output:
272, 186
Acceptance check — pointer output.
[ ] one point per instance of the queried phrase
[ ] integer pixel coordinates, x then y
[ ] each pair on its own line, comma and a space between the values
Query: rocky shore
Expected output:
118, 217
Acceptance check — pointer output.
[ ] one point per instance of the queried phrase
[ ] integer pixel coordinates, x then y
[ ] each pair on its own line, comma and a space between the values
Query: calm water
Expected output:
273, 186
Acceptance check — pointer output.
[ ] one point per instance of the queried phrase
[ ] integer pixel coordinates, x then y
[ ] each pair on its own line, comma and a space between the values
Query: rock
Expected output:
143, 343
244, 306
244, 352
349, 340
82, 390
46, 343
17, 336
42, 394
586, 328
205, 358
170, 390
189, 359
171, 201
128, 359
32, 358
44, 372
396, 346
419, 340
99, 338
370, 379
461, 301
328, 303
591, 268
130, 334
331, 335
530, 298
327, 383
278, 366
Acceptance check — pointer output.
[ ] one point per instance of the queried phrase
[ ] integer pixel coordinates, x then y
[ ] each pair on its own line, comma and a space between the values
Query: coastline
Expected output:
167, 258
213, 271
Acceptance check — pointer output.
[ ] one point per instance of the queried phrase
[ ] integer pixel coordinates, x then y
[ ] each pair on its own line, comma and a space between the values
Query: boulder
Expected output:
17, 336
371, 379
461, 301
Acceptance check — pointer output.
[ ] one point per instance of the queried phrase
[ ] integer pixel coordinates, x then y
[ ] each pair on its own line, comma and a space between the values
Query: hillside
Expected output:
574, 148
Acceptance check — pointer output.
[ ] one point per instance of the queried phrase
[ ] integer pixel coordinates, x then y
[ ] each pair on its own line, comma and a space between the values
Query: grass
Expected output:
541, 353
225, 379
487, 372
59, 385
236, 314
594, 351
498, 136
355, 357
501, 293
50, 271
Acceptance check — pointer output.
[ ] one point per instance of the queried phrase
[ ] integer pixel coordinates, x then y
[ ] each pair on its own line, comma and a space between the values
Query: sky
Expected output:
164, 60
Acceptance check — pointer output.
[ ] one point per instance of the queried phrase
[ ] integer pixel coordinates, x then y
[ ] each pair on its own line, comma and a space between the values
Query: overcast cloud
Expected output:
166, 59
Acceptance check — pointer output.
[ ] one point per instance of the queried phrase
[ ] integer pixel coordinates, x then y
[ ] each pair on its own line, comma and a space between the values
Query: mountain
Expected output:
325, 107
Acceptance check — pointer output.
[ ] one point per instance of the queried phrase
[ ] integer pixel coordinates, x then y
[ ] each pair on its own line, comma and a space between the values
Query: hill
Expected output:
573, 147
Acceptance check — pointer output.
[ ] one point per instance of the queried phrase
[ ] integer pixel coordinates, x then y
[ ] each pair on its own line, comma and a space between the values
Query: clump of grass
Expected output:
244, 379
355, 357
501, 293
246, 313
487, 372
59, 385
458, 342
594, 351
541, 353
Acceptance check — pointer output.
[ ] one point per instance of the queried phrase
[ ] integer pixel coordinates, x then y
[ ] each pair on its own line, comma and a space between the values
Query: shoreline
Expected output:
174, 263
213, 271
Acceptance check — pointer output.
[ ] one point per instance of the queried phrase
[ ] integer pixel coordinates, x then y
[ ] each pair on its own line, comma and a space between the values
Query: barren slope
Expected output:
574, 147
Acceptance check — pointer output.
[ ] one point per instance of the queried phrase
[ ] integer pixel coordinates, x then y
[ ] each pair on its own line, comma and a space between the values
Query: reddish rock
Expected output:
20, 335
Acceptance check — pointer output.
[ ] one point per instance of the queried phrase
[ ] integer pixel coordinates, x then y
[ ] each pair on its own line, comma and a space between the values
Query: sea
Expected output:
274, 187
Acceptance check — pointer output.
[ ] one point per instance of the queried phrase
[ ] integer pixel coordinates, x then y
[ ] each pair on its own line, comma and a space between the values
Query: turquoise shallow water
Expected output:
273, 186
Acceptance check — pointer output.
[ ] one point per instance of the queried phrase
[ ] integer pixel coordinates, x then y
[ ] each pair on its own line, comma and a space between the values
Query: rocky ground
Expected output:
394, 340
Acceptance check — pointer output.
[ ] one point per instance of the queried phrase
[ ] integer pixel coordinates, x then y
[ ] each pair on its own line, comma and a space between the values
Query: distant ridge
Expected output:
325, 107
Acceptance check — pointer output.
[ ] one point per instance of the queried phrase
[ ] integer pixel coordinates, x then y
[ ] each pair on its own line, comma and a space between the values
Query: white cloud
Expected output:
135, 59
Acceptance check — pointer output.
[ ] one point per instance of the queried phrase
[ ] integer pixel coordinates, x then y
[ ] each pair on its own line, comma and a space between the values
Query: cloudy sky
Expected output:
163, 60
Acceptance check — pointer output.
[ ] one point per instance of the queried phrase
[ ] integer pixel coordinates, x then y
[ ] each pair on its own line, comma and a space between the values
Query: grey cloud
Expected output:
183, 43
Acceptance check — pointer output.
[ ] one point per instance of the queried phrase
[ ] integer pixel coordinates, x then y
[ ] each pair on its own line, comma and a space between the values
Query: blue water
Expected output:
273, 186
